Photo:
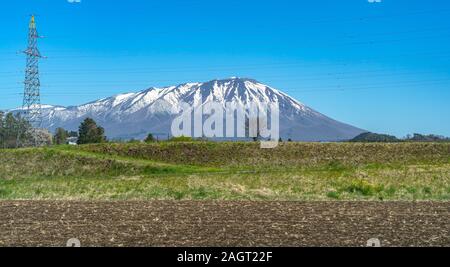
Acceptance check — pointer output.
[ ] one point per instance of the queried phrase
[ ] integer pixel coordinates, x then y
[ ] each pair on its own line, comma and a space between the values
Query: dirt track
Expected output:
187, 223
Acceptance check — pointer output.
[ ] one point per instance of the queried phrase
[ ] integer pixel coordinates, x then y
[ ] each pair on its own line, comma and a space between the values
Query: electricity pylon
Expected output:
31, 107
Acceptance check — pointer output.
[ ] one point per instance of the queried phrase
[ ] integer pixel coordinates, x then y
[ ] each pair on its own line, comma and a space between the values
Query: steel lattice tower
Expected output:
32, 96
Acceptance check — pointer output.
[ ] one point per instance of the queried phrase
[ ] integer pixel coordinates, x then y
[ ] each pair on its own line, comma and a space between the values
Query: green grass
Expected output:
228, 171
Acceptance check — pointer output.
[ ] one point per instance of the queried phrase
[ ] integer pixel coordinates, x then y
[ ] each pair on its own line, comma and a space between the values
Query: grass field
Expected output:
228, 171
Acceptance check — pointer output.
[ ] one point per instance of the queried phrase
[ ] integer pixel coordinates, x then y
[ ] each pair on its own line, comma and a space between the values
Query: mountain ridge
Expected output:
134, 115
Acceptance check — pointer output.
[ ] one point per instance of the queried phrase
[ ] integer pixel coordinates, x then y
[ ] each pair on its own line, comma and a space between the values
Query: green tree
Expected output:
10, 125
22, 132
150, 138
2, 130
374, 138
90, 133
60, 137
14, 131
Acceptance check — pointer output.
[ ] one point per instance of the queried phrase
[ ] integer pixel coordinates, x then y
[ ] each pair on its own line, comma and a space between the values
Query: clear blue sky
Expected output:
384, 67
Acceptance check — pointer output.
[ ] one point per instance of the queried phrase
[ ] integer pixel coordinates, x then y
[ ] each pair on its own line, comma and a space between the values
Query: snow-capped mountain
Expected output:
134, 115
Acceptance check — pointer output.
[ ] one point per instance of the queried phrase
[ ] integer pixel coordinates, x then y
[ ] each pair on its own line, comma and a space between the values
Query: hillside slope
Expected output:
134, 115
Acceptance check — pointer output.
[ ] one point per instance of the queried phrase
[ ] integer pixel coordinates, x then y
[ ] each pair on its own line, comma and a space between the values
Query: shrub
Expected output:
181, 139
361, 187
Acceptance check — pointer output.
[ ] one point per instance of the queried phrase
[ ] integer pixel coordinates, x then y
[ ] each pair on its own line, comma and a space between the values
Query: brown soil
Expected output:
221, 223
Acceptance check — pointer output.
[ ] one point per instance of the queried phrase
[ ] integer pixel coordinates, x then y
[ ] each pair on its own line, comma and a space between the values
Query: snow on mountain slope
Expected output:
134, 115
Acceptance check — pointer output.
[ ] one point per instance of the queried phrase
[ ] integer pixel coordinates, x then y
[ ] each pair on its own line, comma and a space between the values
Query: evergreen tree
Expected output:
61, 136
90, 133
150, 138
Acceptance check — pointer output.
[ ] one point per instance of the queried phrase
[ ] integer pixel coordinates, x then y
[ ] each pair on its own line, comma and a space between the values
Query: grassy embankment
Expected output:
230, 171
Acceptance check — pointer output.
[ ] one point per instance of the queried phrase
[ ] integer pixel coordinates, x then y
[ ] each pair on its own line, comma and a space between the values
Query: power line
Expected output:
147, 70
323, 44
341, 75
320, 88
320, 21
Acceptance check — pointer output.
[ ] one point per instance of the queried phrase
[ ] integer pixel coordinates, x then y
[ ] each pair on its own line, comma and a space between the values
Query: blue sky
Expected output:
384, 67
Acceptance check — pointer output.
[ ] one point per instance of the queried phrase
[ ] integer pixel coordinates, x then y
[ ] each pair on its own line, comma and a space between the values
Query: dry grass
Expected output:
230, 171
285, 155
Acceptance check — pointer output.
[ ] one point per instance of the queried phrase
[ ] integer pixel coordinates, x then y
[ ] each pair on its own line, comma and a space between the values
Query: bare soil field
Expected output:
224, 223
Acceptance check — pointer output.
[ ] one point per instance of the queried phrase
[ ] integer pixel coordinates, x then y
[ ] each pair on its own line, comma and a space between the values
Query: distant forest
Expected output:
374, 137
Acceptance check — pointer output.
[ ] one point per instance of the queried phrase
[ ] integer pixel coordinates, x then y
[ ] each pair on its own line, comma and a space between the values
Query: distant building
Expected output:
73, 141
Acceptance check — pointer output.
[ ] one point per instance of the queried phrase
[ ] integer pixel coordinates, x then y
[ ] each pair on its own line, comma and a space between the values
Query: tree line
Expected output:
88, 133
16, 132
384, 138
